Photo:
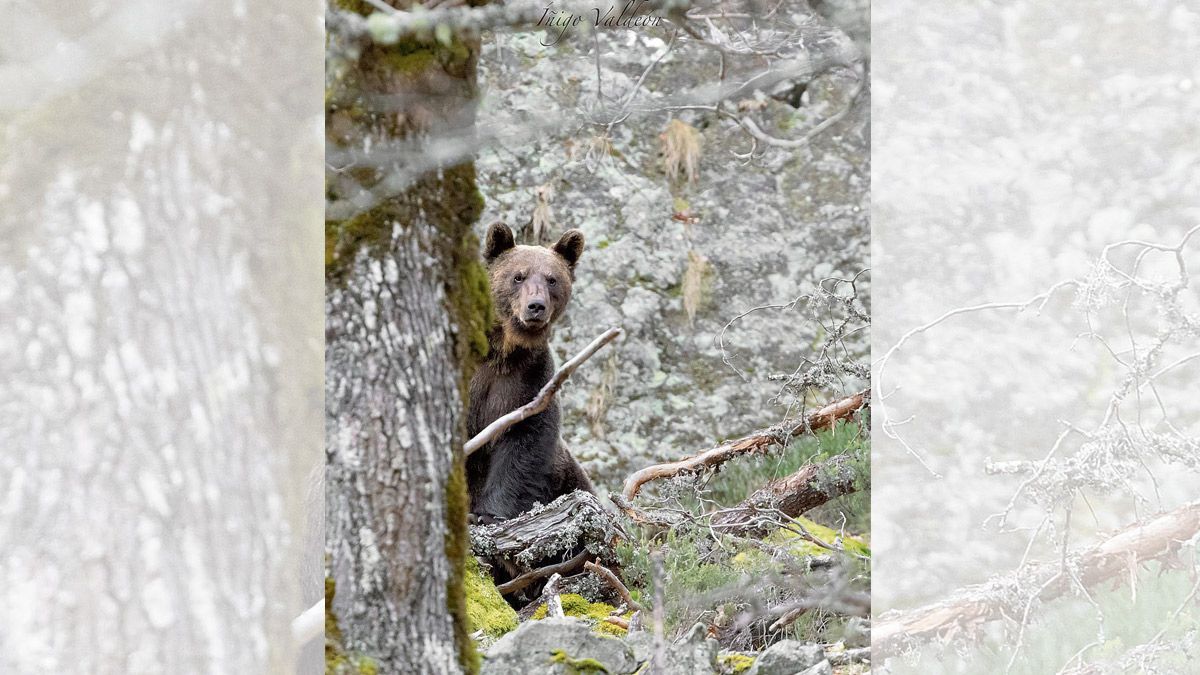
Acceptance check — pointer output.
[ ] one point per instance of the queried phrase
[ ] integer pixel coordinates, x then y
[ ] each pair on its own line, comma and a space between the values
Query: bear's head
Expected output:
531, 285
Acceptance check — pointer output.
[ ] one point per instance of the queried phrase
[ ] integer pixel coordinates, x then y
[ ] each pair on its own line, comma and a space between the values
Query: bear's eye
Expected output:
551, 280
519, 278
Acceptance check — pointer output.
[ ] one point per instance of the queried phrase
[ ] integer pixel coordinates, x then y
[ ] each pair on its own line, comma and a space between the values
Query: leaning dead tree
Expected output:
757, 442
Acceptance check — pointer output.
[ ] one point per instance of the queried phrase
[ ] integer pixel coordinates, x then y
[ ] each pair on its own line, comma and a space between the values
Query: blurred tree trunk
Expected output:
159, 411
406, 310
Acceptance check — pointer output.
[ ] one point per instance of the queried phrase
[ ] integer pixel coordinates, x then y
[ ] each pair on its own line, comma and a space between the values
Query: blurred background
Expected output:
1014, 142
160, 414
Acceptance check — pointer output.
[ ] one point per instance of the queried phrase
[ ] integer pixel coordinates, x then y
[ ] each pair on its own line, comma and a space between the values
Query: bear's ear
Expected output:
570, 247
499, 240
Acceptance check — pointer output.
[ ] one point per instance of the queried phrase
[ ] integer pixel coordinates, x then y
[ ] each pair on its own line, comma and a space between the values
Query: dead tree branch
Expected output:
809, 487
542, 400
565, 567
759, 441
966, 611
612, 580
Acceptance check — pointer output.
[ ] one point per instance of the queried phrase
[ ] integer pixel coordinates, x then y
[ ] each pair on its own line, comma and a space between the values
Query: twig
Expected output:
524, 580
617, 621
607, 575
659, 613
543, 398
756, 442
309, 624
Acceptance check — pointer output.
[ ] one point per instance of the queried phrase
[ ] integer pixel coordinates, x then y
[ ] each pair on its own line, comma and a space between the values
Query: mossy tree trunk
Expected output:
406, 307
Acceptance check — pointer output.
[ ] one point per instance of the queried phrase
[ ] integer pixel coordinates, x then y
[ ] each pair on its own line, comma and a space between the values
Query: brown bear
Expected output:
531, 286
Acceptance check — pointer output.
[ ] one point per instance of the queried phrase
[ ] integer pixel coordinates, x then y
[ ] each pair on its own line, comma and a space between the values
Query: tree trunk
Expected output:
159, 417
406, 309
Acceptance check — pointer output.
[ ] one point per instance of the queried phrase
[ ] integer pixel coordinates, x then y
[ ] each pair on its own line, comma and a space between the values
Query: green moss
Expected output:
337, 661
577, 666
578, 606
734, 664
486, 608
754, 560
797, 544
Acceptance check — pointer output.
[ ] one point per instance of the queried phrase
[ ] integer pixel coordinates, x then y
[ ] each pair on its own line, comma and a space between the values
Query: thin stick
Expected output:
542, 400
530, 577
607, 575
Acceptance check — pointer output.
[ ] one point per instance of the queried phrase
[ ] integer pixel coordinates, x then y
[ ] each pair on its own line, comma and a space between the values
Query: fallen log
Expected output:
1010, 595
758, 441
809, 487
556, 528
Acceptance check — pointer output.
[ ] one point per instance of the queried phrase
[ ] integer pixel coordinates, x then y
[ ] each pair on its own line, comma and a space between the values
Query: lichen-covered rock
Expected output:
757, 233
694, 654
558, 647
788, 657
822, 668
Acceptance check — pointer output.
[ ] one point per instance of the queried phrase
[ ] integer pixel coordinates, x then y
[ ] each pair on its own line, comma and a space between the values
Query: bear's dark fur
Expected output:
531, 286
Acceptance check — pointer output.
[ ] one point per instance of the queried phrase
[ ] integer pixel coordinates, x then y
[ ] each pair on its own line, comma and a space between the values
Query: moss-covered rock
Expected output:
577, 666
486, 609
734, 663
577, 606
558, 646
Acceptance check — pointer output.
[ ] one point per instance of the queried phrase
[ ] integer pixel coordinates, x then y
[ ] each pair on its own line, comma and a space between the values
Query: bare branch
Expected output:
565, 567
542, 400
759, 441
612, 580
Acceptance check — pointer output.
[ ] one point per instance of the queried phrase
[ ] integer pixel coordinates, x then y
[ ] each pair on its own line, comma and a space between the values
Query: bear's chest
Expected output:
498, 388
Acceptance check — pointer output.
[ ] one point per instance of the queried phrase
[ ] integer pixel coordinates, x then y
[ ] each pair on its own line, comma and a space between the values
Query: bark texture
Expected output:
406, 301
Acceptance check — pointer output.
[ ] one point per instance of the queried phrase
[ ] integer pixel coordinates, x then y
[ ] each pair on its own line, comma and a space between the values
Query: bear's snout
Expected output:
535, 310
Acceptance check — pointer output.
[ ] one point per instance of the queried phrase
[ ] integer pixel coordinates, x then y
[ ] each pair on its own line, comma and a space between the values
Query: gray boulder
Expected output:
822, 668
555, 646
788, 657
694, 654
